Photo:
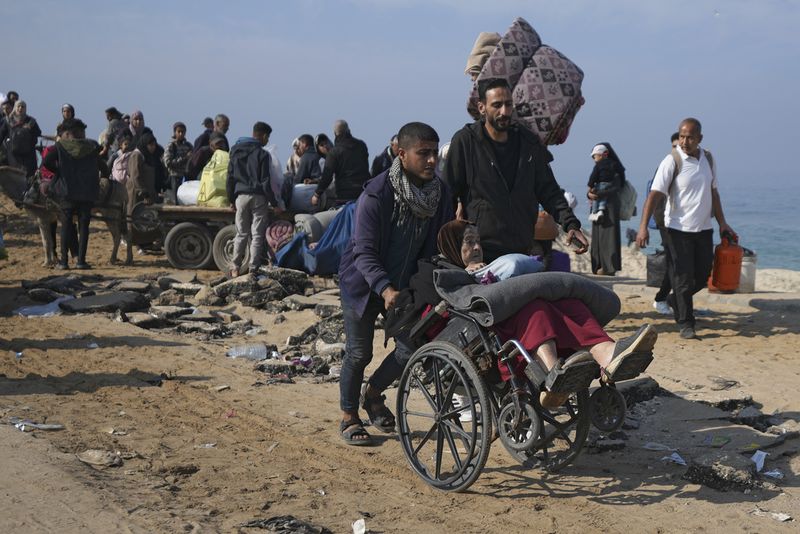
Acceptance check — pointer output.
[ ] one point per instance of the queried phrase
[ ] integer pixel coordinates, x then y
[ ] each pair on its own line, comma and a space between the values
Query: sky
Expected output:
301, 64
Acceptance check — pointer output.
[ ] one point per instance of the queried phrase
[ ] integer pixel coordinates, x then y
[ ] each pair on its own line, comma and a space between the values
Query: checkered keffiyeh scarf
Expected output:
412, 201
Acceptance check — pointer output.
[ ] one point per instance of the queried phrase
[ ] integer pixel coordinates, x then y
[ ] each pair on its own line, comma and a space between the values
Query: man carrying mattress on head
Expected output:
499, 173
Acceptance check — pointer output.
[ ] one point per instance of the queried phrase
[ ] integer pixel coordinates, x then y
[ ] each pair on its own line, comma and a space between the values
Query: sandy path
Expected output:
277, 451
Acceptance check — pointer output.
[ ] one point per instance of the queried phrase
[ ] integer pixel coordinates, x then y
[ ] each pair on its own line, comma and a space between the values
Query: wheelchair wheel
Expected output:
446, 444
561, 437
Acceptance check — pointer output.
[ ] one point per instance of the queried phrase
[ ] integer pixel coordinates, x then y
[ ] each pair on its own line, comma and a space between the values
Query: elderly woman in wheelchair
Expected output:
502, 344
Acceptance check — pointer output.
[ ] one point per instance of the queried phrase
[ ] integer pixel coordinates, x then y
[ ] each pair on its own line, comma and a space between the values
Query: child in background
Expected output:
119, 169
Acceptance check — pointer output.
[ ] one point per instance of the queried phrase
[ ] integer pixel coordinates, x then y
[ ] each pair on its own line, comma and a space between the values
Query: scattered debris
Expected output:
674, 458
777, 474
604, 444
721, 384
206, 446
222, 388
723, 472
44, 310
285, 524
26, 425
758, 459
113, 431
659, 447
777, 516
253, 351
360, 526
100, 459
716, 442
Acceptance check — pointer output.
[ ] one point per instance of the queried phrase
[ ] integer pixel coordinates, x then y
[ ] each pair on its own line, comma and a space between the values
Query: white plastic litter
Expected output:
758, 459
26, 425
42, 310
360, 526
675, 458
775, 473
777, 516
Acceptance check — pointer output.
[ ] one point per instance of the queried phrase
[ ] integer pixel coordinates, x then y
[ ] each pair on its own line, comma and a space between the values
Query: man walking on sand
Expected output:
687, 179
251, 195
499, 173
398, 217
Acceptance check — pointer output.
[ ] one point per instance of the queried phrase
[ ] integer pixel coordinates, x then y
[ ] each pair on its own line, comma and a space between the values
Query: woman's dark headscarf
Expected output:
449, 241
612, 155
149, 158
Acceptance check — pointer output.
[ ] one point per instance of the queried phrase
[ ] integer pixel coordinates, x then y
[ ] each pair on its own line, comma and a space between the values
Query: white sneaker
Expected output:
460, 403
662, 307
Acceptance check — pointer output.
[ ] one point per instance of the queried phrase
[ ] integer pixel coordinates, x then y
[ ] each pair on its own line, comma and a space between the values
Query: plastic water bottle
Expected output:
254, 351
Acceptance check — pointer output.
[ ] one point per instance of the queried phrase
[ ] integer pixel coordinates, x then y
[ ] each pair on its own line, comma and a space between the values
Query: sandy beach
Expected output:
207, 444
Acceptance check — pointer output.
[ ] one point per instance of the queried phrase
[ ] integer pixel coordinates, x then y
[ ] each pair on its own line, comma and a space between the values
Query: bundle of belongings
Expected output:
319, 241
213, 179
210, 189
545, 85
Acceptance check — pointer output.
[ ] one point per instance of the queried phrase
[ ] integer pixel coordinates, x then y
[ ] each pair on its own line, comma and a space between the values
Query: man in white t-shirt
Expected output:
692, 199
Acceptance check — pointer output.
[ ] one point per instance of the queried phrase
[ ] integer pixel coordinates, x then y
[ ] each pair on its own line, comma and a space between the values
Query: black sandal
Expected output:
379, 415
353, 433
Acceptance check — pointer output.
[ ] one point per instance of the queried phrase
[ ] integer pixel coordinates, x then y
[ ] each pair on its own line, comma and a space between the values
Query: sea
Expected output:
765, 218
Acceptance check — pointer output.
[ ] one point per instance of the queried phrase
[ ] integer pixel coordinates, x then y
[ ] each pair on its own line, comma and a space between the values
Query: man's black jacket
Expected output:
505, 218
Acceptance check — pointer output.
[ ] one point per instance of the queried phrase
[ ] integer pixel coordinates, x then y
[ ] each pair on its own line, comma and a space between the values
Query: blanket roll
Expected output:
494, 303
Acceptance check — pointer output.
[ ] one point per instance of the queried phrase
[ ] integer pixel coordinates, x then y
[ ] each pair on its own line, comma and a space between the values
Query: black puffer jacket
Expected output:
506, 218
349, 161
77, 162
248, 171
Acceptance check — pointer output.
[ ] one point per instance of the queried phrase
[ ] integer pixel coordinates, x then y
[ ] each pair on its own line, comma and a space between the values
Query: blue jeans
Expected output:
601, 203
360, 331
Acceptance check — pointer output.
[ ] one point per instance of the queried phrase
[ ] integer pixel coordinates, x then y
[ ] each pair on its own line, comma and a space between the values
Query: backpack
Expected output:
627, 201
660, 208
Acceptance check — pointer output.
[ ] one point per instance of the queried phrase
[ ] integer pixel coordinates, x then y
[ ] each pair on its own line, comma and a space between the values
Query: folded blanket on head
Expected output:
494, 303
481, 50
545, 85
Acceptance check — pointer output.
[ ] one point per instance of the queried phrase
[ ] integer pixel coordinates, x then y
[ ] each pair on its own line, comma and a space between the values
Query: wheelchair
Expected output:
452, 404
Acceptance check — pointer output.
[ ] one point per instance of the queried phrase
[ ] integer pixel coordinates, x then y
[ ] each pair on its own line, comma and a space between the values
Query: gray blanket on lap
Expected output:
494, 303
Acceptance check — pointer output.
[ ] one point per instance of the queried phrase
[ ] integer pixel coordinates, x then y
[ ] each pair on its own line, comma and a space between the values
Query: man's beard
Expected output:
499, 127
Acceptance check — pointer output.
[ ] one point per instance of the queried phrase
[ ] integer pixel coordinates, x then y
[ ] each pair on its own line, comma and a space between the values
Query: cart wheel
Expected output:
144, 218
188, 246
223, 250
447, 446
144, 225
563, 433
607, 409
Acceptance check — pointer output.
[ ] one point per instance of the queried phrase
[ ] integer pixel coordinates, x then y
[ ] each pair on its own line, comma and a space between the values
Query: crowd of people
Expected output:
493, 180
129, 153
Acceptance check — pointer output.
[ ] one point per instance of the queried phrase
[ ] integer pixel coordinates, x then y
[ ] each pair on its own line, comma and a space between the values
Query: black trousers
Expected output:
692, 255
666, 283
84, 212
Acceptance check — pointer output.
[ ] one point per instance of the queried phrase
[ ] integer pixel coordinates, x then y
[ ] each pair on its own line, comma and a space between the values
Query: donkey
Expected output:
111, 208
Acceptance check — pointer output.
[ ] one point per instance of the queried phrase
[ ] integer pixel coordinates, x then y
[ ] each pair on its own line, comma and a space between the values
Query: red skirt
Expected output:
568, 322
